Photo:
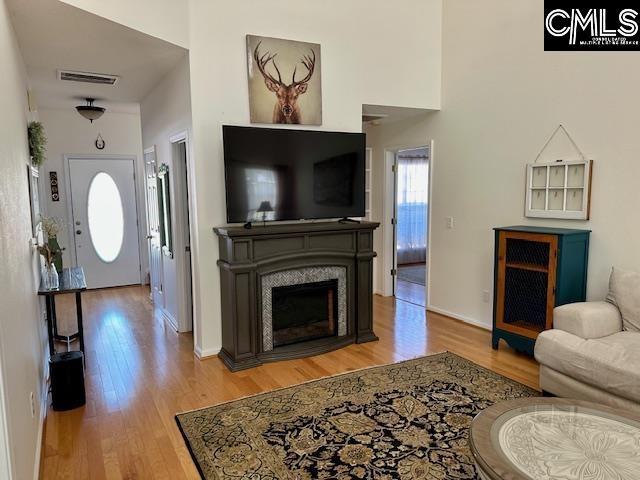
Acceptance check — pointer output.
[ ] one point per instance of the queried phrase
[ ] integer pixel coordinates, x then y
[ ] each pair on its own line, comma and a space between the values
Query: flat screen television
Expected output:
283, 174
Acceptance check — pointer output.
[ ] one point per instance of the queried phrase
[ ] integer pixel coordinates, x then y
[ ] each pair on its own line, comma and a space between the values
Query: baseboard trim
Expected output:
44, 396
203, 354
462, 318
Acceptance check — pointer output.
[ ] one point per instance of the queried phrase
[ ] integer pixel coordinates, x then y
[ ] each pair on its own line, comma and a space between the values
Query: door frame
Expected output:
67, 179
389, 205
6, 461
183, 198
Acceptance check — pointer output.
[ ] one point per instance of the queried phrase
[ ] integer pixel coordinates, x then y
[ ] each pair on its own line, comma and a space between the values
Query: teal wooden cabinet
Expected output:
535, 270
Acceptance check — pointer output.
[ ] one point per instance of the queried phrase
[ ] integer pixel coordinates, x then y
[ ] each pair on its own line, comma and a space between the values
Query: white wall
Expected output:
502, 98
166, 111
21, 323
165, 19
69, 133
366, 48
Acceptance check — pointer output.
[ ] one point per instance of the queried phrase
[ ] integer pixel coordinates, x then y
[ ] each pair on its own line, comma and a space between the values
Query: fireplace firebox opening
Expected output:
304, 312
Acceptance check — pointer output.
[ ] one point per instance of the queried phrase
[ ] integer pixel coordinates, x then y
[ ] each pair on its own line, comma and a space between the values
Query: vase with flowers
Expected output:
51, 251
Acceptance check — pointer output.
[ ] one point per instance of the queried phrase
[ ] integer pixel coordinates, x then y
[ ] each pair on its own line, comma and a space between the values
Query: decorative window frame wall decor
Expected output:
560, 189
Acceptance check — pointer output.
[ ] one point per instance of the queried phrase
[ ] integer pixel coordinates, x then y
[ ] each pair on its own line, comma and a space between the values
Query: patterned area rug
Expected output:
408, 420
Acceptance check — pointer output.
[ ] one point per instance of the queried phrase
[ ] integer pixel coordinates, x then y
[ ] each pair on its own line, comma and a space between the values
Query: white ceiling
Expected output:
53, 35
392, 114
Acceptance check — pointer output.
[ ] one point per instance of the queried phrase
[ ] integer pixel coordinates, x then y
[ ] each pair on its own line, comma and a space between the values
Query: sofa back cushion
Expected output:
624, 292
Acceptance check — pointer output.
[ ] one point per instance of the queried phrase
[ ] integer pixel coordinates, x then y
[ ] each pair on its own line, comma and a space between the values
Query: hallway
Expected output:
140, 374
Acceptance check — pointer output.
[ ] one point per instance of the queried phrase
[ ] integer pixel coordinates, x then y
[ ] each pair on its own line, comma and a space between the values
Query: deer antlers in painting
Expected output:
286, 109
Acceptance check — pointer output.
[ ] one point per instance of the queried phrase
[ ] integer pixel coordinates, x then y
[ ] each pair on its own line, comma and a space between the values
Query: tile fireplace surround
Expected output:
256, 260
301, 276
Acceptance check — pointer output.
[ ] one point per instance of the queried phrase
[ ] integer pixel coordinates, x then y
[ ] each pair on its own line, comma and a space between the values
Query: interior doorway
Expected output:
104, 219
180, 161
411, 224
169, 230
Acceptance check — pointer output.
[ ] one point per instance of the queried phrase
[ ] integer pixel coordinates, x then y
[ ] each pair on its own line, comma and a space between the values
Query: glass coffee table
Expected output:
554, 438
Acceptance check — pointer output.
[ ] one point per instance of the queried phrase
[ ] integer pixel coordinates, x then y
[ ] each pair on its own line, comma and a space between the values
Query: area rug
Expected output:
407, 420
413, 273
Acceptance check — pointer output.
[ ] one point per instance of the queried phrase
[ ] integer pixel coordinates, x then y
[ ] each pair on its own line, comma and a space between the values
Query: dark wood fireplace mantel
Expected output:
249, 256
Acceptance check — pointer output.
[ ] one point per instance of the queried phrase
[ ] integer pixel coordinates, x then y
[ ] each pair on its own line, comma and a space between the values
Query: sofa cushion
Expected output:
624, 292
588, 319
610, 363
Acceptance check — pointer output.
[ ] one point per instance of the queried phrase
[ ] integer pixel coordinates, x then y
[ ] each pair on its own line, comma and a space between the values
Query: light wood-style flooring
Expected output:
411, 292
140, 373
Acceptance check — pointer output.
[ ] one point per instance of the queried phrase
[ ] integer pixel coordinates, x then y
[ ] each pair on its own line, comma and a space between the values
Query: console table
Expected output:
72, 280
254, 260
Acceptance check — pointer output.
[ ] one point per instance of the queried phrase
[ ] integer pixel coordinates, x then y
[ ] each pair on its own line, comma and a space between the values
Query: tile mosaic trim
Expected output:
300, 276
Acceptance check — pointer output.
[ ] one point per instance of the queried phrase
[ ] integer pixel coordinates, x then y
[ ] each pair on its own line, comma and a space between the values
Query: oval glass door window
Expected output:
106, 217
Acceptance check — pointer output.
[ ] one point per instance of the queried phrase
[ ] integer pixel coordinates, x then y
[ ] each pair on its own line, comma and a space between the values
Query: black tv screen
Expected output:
283, 174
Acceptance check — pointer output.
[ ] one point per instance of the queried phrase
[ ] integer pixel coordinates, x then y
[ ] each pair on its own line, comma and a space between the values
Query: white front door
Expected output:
153, 234
105, 220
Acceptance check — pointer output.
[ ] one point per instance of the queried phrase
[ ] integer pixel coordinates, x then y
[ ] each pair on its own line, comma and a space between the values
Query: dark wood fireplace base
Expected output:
247, 255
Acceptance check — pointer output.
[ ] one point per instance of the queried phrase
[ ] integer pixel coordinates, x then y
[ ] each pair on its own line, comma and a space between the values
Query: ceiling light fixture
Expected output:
90, 111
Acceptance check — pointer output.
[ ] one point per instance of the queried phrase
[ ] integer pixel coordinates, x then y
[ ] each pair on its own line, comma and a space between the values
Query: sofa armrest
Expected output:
588, 319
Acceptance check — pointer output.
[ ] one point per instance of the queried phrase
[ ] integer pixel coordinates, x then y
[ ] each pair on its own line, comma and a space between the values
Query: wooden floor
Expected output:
140, 374
411, 292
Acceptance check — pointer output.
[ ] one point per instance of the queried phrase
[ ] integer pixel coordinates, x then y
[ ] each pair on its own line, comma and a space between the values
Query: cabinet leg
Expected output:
48, 301
80, 325
495, 342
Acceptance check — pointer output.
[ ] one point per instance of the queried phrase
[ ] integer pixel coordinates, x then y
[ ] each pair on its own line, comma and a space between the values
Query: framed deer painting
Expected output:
284, 81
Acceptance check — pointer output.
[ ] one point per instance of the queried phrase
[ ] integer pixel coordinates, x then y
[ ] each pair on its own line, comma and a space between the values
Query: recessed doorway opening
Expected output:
180, 162
407, 200
411, 224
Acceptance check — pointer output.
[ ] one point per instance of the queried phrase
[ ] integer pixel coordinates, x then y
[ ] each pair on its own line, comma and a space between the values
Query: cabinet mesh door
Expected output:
527, 269
527, 252
525, 298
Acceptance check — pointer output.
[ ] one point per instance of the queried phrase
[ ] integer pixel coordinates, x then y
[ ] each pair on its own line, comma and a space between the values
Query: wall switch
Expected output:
32, 402
485, 296
450, 222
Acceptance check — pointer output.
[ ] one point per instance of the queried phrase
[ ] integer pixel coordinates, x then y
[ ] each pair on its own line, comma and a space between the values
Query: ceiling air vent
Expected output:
87, 77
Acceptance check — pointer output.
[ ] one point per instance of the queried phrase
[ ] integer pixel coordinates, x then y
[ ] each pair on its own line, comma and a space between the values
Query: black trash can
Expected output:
67, 380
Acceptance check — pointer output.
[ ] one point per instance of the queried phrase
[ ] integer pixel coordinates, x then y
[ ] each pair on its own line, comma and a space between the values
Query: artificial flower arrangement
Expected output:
51, 250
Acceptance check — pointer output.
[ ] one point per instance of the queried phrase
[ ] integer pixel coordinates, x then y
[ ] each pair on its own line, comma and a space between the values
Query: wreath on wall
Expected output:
37, 143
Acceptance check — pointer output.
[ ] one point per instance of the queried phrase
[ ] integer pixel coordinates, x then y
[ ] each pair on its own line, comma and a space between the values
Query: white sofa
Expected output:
592, 353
